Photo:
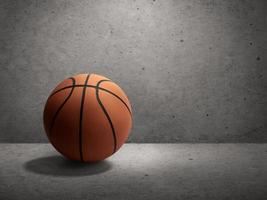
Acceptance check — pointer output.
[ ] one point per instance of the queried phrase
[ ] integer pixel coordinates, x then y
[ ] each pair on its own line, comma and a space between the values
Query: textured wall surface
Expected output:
195, 71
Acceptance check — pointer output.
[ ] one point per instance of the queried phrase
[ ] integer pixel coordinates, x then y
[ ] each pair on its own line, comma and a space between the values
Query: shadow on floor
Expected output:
60, 166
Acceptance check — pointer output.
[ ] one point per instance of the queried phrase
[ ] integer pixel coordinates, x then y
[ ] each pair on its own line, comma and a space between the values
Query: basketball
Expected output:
87, 117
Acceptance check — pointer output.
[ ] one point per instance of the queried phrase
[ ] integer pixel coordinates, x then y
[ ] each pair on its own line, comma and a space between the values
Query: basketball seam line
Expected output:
92, 86
81, 118
60, 107
107, 115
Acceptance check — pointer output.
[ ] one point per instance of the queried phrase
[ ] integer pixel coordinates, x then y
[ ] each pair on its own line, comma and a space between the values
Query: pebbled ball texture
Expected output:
87, 117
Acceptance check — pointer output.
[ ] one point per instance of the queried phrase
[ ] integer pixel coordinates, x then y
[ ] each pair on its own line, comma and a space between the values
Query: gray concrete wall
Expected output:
195, 71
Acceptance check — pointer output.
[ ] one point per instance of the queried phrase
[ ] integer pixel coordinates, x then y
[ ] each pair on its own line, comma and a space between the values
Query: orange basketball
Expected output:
87, 117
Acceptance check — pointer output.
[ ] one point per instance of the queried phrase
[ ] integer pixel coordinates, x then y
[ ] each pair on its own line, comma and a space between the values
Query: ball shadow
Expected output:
60, 166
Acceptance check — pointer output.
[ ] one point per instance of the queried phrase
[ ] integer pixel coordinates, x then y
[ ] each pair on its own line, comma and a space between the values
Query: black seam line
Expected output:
60, 107
70, 86
92, 86
107, 115
78, 85
103, 89
81, 118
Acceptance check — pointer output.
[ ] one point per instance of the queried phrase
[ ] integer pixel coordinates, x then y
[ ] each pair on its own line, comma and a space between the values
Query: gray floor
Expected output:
137, 171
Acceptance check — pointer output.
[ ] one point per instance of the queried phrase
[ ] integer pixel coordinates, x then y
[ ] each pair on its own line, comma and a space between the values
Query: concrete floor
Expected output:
137, 171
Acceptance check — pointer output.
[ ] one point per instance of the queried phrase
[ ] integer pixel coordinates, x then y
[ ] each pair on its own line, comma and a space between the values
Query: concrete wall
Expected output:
195, 71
